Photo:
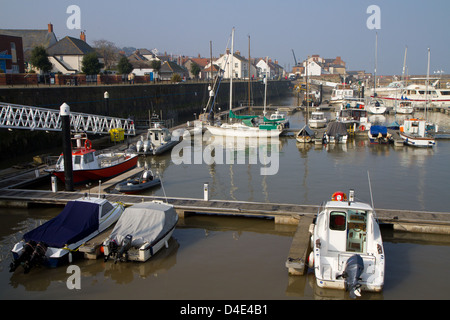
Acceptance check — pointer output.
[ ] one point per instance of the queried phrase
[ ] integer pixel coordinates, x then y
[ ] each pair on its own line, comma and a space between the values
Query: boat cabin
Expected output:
347, 230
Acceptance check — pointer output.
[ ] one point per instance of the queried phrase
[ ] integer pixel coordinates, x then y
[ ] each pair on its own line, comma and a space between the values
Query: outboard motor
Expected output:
112, 248
28, 249
124, 247
352, 275
36, 258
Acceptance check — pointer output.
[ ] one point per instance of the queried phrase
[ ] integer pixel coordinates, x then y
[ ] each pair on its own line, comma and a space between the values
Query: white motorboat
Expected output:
347, 246
317, 120
158, 140
53, 242
404, 107
420, 95
414, 133
340, 94
279, 118
376, 106
142, 230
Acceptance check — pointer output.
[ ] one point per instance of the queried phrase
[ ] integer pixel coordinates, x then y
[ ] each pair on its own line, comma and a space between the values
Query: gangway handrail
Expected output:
15, 116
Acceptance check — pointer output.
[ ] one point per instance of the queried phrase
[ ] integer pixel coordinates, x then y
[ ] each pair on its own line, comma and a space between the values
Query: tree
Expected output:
91, 65
175, 78
124, 66
107, 50
195, 70
39, 59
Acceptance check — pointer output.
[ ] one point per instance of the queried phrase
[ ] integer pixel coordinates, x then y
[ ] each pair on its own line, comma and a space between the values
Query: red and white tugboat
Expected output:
89, 165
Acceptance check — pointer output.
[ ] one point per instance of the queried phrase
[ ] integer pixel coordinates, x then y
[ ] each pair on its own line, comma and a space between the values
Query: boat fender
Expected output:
311, 260
339, 196
88, 144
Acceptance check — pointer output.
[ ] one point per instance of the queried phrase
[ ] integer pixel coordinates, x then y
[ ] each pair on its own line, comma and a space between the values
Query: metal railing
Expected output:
13, 116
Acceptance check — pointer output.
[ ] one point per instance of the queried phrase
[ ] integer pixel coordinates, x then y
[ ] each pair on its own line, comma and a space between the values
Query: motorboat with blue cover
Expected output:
53, 242
347, 248
142, 230
379, 134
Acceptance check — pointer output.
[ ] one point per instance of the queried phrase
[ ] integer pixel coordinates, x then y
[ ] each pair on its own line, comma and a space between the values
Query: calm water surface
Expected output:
214, 257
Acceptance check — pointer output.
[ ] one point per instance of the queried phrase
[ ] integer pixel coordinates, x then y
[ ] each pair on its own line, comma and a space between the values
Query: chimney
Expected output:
83, 36
50, 27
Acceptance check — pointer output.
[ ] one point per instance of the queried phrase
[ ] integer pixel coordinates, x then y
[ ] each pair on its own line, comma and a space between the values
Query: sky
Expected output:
329, 28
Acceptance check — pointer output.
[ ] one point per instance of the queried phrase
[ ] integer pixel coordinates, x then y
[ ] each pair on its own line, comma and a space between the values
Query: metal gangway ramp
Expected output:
14, 116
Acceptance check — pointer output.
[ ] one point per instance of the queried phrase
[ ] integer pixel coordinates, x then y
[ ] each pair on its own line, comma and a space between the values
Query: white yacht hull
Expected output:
242, 131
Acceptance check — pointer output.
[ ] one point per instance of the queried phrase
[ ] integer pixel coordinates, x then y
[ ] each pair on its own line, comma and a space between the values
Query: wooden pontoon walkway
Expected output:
300, 215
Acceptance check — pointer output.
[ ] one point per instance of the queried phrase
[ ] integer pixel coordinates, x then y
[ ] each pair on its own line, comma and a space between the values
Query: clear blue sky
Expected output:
329, 28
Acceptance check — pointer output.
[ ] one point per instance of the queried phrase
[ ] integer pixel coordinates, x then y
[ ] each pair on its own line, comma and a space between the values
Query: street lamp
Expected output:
106, 97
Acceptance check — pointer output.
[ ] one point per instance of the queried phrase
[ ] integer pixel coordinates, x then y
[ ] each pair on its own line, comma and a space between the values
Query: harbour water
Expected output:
216, 257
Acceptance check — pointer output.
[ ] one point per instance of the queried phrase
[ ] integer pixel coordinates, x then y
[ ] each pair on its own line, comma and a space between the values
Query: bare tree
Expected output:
108, 51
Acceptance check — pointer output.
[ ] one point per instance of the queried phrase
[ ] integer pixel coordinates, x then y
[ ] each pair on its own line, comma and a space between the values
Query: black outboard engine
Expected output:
113, 247
352, 275
123, 249
37, 258
28, 249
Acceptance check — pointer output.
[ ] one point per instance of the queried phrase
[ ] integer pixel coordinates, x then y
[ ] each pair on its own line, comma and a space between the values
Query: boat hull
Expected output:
129, 188
147, 251
417, 141
243, 131
81, 176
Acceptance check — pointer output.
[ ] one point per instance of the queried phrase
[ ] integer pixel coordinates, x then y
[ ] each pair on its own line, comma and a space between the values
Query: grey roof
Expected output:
171, 67
70, 46
31, 38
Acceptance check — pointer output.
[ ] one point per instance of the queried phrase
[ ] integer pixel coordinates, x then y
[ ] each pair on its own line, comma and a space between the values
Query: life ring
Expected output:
339, 196
362, 128
88, 144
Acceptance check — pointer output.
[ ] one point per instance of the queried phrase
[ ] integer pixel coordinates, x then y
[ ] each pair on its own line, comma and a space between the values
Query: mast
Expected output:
375, 71
265, 84
249, 71
231, 68
404, 64
428, 81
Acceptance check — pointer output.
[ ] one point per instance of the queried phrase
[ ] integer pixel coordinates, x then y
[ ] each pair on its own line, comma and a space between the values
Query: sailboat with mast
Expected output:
415, 132
242, 125
376, 106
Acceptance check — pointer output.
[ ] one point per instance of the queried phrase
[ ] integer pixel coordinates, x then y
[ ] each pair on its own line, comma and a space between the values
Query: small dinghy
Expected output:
142, 230
144, 180
53, 242
347, 248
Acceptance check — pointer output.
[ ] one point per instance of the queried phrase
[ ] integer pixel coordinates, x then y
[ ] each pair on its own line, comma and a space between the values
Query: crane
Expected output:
295, 60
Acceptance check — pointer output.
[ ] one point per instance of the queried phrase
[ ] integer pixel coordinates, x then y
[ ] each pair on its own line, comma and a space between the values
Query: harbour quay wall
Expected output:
135, 100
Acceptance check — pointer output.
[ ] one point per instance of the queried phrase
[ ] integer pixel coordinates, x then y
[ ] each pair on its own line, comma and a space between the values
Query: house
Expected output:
32, 38
169, 68
240, 68
67, 54
311, 68
11, 54
201, 62
266, 66
206, 72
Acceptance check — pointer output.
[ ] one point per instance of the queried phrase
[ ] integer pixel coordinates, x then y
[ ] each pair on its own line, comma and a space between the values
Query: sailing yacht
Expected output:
245, 125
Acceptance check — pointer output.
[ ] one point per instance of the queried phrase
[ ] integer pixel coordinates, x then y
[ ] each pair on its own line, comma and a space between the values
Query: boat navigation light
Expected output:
351, 195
